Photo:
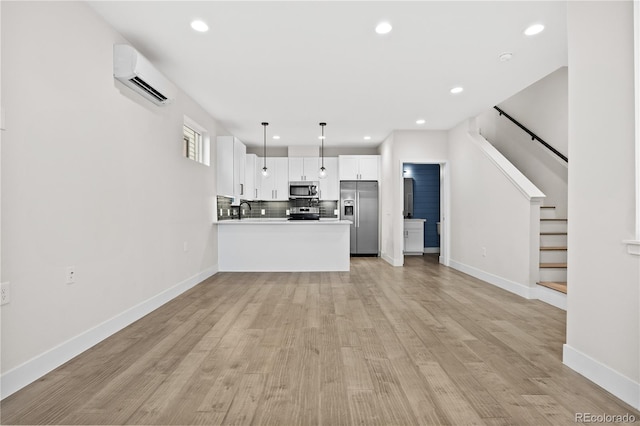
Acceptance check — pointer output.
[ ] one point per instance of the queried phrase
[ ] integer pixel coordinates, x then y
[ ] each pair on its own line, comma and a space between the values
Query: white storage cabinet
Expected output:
304, 168
414, 236
330, 186
275, 187
359, 167
231, 163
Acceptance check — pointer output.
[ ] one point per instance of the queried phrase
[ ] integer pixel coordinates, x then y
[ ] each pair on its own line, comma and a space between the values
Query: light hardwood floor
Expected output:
417, 345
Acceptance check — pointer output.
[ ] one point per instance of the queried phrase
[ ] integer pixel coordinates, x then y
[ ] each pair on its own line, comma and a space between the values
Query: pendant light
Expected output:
265, 171
322, 174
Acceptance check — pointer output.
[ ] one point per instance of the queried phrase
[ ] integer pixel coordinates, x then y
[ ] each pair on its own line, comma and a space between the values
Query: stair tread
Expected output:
554, 220
553, 248
553, 233
555, 285
553, 265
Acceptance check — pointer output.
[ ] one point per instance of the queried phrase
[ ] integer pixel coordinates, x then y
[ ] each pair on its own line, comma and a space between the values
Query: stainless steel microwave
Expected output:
303, 189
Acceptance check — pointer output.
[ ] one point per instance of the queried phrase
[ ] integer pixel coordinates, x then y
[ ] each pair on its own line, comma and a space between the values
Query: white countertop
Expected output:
283, 221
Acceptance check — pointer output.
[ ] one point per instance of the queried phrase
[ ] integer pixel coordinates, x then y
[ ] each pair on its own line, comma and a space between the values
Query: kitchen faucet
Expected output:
240, 208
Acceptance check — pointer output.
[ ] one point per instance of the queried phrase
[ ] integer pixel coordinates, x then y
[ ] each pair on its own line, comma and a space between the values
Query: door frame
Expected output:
445, 186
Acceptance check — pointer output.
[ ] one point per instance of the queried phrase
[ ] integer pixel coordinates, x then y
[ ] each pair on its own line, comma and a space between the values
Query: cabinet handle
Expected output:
242, 189
276, 197
358, 204
256, 192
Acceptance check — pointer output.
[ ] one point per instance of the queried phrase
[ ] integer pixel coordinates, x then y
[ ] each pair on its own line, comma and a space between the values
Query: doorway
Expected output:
423, 186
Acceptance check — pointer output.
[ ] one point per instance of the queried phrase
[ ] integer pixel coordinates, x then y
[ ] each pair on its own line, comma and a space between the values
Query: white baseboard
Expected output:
431, 250
552, 297
30, 371
503, 283
602, 375
390, 260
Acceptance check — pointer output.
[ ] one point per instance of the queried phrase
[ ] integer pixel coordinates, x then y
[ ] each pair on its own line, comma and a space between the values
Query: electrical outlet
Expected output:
5, 293
70, 274
262, 212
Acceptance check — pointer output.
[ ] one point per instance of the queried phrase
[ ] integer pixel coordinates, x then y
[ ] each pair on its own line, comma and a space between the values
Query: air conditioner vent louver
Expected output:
137, 73
147, 88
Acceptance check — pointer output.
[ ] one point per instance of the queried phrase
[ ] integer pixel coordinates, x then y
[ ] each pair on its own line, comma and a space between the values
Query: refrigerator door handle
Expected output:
357, 209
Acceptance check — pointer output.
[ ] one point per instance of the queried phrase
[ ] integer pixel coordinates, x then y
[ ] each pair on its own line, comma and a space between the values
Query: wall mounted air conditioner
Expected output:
136, 72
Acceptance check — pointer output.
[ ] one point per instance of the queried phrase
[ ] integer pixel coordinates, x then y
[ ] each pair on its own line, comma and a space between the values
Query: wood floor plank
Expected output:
355, 369
334, 406
379, 345
245, 402
364, 408
450, 399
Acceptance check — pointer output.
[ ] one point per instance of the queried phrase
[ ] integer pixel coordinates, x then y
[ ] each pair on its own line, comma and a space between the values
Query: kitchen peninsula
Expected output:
281, 245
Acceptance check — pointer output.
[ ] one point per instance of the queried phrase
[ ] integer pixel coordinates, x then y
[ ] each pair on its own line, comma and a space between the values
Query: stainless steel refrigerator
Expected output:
359, 204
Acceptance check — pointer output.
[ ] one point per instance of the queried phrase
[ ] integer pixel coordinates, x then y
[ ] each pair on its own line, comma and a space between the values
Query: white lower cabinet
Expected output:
414, 236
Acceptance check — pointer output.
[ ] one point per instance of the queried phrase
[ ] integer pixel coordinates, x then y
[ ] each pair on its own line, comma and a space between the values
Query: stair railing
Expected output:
533, 135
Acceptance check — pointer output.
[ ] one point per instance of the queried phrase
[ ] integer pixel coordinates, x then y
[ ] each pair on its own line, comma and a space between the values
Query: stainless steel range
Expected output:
304, 213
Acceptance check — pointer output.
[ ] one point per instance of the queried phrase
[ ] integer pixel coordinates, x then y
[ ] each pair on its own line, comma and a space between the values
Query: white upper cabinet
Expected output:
330, 186
359, 167
303, 168
274, 187
230, 161
224, 162
239, 165
250, 177
281, 182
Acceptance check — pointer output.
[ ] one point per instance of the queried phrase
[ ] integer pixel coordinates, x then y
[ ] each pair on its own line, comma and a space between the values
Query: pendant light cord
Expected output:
264, 156
322, 144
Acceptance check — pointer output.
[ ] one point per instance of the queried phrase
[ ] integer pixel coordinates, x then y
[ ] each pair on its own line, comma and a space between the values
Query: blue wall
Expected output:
426, 198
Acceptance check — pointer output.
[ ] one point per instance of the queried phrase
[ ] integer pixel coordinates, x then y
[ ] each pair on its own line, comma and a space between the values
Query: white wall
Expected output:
542, 108
603, 323
494, 223
403, 146
93, 176
387, 200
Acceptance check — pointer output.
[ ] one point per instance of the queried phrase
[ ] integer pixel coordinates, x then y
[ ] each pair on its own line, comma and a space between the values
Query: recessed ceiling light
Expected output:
367, 138
383, 28
456, 90
421, 121
534, 29
276, 137
199, 26
506, 56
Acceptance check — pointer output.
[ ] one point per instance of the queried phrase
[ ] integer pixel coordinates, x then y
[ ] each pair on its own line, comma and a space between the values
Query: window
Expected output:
192, 143
195, 141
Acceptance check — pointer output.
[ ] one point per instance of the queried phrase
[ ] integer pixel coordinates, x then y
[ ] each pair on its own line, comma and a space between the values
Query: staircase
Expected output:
553, 250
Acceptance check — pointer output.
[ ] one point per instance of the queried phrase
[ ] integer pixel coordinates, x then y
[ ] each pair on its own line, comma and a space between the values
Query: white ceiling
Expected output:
296, 63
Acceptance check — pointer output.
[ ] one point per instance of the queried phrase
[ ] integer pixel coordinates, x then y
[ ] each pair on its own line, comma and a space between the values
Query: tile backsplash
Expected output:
272, 209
